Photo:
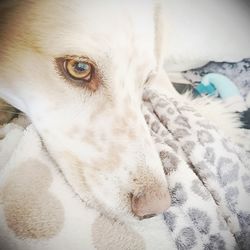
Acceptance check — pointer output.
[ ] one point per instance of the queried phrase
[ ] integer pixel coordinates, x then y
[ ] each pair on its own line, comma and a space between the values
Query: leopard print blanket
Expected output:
208, 176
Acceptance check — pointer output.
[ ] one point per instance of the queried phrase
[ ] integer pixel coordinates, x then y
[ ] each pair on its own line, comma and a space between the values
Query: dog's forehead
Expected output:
94, 26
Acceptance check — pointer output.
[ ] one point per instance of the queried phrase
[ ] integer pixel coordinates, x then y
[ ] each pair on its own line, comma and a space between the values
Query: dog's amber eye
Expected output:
78, 70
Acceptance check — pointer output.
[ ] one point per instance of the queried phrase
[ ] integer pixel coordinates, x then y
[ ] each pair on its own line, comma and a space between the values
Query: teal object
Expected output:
223, 86
204, 89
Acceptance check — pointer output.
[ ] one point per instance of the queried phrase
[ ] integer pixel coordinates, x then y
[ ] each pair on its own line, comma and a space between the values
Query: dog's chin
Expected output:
125, 216
122, 214
120, 211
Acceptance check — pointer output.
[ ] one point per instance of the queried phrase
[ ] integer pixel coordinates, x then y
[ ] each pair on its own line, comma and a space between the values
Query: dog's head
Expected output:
77, 69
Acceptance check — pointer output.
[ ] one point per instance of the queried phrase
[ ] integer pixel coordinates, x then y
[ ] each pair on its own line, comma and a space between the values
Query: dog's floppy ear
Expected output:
160, 23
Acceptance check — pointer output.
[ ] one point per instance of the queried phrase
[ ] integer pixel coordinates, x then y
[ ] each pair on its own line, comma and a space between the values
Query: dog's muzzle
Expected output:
149, 204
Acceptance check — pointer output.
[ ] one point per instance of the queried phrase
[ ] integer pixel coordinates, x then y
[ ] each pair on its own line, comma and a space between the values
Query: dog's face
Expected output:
77, 69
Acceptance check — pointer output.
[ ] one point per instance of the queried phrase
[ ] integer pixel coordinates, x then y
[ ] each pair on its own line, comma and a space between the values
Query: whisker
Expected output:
5, 105
12, 112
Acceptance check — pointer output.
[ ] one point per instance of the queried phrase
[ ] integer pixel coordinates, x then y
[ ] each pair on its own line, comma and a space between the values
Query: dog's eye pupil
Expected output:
78, 70
81, 66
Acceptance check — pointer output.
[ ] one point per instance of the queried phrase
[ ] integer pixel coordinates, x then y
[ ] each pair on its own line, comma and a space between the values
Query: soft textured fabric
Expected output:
208, 176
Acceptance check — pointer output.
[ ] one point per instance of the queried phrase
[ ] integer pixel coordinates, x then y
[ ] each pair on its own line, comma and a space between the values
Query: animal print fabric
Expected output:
208, 176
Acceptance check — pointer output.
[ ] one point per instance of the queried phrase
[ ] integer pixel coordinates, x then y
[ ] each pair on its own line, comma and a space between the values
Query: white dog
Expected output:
77, 69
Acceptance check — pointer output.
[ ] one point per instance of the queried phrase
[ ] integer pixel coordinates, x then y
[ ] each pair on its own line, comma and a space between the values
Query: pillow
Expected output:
199, 31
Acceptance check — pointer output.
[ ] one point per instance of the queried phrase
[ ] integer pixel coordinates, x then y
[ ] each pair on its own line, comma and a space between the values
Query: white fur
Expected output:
65, 115
120, 37
248, 100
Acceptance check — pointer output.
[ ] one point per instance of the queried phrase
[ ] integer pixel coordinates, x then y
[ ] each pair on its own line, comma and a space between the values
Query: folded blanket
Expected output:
208, 176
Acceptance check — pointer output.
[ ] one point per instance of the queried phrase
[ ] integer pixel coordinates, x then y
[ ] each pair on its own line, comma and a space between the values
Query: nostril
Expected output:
148, 216
149, 204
